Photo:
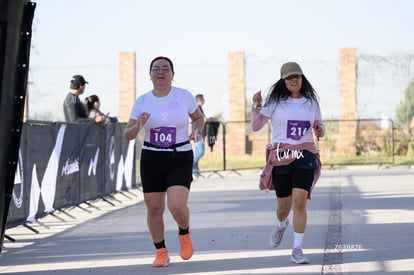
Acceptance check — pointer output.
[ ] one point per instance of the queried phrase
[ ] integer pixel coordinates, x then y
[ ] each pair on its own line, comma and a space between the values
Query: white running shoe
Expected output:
277, 235
298, 257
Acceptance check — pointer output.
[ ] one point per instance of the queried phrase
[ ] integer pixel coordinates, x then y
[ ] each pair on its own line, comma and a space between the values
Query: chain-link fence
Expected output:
347, 142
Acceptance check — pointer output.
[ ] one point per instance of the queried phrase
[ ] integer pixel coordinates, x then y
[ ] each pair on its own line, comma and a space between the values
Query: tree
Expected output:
405, 111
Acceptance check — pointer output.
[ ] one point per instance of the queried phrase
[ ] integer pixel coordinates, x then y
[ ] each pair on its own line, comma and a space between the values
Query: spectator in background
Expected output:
92, 106
73, 109
199, 146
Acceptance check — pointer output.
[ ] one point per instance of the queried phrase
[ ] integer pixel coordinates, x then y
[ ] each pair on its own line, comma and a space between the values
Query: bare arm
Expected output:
198, 122
134, 126
318, 126
257, 120
319, 129
132, 129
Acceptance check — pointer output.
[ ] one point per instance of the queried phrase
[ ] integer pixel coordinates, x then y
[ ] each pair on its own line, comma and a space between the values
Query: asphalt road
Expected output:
360, 221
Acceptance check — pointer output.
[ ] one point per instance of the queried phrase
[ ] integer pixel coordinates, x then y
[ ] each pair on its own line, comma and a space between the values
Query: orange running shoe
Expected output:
186, 246
161, 257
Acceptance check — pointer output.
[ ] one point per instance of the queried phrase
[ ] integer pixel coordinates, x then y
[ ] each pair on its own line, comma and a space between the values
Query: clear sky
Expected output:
85, 37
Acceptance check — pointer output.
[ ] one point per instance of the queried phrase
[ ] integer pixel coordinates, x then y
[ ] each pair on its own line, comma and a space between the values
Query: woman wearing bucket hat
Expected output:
292, 159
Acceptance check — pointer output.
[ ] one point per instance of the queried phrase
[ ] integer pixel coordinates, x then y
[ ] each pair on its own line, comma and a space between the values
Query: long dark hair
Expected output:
90, 101
278, 91
165, 58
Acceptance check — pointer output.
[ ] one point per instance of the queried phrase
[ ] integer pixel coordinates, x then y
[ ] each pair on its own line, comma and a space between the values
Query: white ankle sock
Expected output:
298, 239
281, 224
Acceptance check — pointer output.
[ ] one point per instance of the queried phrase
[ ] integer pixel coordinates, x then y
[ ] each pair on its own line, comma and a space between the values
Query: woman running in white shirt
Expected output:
167, 156
293, 109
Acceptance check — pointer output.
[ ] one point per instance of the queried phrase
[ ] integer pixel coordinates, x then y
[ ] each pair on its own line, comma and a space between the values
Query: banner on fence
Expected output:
62, 165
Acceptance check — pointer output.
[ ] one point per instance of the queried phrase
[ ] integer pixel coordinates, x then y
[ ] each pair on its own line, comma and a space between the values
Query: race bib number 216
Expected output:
297, 129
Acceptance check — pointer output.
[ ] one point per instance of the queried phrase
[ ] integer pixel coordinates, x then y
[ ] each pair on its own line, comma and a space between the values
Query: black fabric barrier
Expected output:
62, 165
16, 18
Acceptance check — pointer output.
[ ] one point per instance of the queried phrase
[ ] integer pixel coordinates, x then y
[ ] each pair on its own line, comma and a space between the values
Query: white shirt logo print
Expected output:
164, 116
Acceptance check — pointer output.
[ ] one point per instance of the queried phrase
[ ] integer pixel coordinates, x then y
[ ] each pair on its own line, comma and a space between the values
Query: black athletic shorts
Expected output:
298, 174
162, 169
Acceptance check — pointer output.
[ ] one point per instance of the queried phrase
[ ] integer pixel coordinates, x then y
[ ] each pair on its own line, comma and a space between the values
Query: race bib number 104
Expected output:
163, 136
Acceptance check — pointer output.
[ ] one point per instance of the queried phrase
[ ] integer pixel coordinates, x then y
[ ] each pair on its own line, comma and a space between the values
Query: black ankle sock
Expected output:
159, 245
183, 231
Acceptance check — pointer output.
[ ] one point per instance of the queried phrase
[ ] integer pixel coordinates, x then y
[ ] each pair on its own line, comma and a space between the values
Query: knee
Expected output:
299, 205
176, 207
155, 210
283, 209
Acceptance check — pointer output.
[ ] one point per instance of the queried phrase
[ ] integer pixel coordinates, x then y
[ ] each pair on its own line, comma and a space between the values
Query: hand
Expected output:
100, 119
143, 118
257, 99
318, 133
196, 135
317, 130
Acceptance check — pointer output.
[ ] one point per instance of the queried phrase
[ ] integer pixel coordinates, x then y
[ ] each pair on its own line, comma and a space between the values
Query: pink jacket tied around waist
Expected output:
290, 153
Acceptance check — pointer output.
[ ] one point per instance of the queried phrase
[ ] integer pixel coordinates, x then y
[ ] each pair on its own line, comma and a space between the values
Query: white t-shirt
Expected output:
292, 119
168, 123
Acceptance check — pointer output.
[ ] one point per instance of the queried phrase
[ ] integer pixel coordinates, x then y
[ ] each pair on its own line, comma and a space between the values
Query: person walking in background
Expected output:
292, 159
166, 157
199, 146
